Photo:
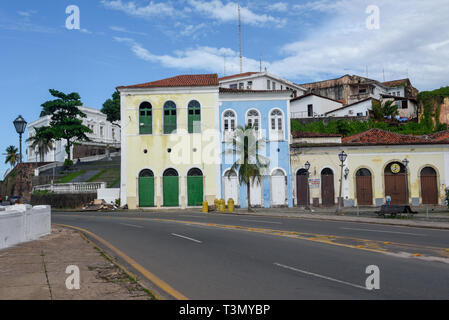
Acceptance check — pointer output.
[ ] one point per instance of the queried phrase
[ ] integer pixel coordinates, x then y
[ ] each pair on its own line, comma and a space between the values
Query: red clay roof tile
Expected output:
189, 80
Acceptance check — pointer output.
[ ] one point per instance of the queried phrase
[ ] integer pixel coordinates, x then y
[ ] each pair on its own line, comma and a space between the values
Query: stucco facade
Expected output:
178, 150
276, 145
375, 159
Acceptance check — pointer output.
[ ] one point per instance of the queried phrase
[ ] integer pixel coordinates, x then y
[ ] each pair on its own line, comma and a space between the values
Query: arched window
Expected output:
195, 172
228, 124
170, 173
146, 118
363, 173
146, 173
276, 125
253, 119
169, 117
194, 117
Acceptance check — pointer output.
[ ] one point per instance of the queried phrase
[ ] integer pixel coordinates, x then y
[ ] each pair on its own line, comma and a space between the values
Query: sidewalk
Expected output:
36, 271
438, 218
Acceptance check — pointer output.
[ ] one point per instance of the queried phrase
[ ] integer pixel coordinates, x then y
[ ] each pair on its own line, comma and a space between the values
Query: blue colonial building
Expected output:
268, 111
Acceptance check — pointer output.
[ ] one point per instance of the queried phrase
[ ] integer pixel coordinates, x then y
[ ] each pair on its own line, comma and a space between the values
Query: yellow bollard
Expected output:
205, 207
230, 205
216, 204
222, 205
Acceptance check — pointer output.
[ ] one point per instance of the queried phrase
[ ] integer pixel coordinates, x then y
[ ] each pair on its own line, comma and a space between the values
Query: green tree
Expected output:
65, 121
389, 108
111, 108
43, 140
250, 165
12, 155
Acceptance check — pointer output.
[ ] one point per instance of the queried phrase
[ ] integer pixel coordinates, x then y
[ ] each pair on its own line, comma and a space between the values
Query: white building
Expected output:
260, 81
312, 105
105, 134
407, 107
356, 109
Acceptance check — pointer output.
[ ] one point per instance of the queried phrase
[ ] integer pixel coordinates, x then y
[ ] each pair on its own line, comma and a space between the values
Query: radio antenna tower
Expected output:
240, 40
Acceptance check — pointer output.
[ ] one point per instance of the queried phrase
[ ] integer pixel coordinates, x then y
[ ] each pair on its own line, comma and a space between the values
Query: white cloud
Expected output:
413, 41
279, 6
192, 30
124, 30
131, 8
216, 9
200, 58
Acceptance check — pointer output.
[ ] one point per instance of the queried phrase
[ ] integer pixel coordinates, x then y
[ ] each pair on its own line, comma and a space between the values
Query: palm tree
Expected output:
42, 140
390, 109
250, 165
12, 155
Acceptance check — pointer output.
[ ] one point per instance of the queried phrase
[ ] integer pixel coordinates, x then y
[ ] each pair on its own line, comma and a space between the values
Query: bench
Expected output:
394, 210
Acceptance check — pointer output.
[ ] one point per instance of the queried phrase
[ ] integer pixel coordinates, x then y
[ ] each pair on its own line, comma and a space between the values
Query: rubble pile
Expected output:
100, 205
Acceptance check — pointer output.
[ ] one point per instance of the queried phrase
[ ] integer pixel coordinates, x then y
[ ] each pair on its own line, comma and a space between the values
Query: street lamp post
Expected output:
342, 156
405, 163
20, 125
307, 167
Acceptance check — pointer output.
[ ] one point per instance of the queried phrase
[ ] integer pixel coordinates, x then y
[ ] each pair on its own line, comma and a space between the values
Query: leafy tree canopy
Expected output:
65, 121
111, 108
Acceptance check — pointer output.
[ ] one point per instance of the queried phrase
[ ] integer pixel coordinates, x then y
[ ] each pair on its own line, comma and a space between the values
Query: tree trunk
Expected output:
67, 149
248, 196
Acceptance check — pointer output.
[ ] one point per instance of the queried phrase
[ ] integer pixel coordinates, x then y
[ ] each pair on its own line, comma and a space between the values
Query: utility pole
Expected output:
240, 41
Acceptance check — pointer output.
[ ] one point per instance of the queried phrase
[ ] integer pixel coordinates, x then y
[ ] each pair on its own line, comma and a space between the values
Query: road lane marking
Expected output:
261, 221
187, 238
131, 225
413, 234
332, 240
320, 276
150, 276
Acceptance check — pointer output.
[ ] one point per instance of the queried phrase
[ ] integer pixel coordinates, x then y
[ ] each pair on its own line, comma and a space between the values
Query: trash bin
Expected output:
205, 207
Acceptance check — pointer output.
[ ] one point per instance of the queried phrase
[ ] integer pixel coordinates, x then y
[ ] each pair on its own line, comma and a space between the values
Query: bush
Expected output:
42, 192
68, 163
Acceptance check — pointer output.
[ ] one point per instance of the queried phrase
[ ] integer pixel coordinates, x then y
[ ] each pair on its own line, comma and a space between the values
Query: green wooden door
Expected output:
146, 192
195, 191
171, 191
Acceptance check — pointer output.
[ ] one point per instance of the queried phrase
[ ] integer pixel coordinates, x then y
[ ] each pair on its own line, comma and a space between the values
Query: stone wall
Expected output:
19, 181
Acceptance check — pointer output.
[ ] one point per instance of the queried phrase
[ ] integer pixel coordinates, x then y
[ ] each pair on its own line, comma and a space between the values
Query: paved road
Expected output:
209, 259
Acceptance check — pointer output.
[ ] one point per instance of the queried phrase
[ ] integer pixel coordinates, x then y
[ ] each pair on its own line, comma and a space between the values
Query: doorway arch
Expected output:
302, 188
327, 187
429, 186
171, 188
364, 187
395, 185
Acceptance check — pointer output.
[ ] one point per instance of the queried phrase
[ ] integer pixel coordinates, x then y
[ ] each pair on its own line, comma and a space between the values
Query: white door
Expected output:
231, 188
278, 188
255, 191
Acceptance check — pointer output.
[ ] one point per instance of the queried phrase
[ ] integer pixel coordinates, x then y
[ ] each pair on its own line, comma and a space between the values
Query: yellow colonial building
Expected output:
169, 142
379, 165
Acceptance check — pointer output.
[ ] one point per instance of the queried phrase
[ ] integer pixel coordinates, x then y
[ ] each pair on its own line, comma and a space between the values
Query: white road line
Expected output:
413, 234
184, 237
261, 221
320, 276
131, 225
193, 217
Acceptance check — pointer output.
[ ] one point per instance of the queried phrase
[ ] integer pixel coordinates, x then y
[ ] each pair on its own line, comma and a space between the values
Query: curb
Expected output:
414, 224
160, 284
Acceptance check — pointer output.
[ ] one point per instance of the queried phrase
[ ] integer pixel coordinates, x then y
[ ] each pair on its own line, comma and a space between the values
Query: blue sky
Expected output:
125, 42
